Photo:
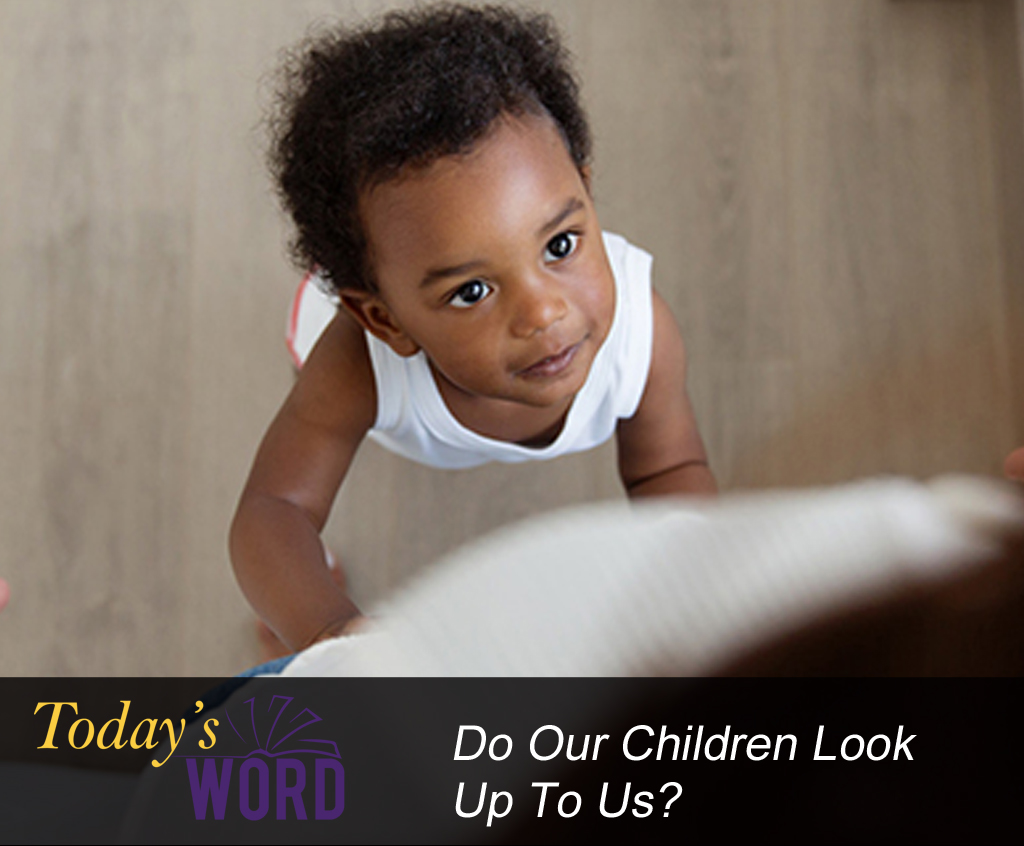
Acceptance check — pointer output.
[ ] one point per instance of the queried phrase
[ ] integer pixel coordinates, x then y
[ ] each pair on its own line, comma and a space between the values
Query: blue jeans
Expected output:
270, 668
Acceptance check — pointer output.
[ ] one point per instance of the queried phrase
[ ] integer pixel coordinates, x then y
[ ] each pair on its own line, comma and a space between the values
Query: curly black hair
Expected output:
356, 106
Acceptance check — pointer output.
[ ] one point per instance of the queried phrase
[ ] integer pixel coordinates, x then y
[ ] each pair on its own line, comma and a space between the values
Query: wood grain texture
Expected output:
833, 193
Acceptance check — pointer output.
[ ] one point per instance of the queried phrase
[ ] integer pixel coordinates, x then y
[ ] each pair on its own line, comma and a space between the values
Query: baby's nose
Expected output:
539, 305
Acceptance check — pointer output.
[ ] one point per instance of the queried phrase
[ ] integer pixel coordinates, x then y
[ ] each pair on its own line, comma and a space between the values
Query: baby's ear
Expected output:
373, 314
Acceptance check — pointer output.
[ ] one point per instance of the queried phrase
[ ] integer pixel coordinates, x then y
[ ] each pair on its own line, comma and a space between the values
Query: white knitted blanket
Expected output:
620, 590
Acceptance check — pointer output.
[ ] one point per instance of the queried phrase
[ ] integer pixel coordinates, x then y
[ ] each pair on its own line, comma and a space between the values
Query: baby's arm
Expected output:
660, 449
275, 537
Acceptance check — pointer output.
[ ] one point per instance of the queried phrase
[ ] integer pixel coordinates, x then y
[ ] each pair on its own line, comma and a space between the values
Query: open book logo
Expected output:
269, 738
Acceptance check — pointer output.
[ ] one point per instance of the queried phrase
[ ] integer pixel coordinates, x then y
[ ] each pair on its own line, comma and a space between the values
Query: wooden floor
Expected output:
833, 192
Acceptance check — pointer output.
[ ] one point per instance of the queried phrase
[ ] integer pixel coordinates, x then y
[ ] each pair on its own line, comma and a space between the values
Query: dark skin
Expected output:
1014, 466
491, 263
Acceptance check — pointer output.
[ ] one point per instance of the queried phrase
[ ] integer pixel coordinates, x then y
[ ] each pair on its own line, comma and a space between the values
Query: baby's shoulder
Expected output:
335, 387
626, 257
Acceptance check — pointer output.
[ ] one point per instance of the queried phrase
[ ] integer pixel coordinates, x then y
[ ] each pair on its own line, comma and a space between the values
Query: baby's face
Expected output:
493, 264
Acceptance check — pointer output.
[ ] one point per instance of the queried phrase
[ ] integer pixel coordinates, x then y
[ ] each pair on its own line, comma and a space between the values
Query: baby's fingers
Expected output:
1014, 466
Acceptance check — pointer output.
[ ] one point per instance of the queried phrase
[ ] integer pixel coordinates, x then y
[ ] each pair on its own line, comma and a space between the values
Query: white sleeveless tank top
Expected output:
414, 421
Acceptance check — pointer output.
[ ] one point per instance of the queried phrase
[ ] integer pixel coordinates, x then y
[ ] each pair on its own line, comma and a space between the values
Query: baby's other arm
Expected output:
275, 537
660, 450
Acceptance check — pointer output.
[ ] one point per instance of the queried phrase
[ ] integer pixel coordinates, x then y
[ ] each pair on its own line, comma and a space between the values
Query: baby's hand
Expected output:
5, 594
1014, 466
345, 626
340, 629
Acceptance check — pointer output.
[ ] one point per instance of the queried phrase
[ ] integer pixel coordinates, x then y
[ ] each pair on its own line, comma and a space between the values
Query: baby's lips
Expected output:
540, 363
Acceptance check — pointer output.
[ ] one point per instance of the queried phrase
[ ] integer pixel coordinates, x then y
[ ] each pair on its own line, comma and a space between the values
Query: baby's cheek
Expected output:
472, 361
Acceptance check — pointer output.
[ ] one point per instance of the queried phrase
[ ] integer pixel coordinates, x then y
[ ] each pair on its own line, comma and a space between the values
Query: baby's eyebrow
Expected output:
574, 205
437, 274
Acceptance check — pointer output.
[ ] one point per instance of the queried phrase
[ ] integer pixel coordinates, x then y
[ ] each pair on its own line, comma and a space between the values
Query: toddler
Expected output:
437, 167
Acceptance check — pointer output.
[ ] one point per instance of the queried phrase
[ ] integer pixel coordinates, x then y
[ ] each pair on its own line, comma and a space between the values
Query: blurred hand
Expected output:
1014, 466
5, 593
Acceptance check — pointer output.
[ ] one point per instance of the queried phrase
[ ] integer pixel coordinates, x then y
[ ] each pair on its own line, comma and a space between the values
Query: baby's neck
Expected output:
504, 420
547, 437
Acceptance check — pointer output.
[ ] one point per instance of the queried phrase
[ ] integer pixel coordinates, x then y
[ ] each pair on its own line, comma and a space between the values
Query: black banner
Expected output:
508, 761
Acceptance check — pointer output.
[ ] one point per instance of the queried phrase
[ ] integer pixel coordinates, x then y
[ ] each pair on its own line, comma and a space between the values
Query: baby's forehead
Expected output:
506, 189
516, 154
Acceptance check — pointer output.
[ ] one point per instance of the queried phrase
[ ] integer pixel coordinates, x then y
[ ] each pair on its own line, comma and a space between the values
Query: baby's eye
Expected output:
561, 246
470, 294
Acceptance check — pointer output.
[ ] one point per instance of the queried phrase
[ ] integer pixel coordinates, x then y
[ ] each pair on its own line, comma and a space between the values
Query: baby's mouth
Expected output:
552, 365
